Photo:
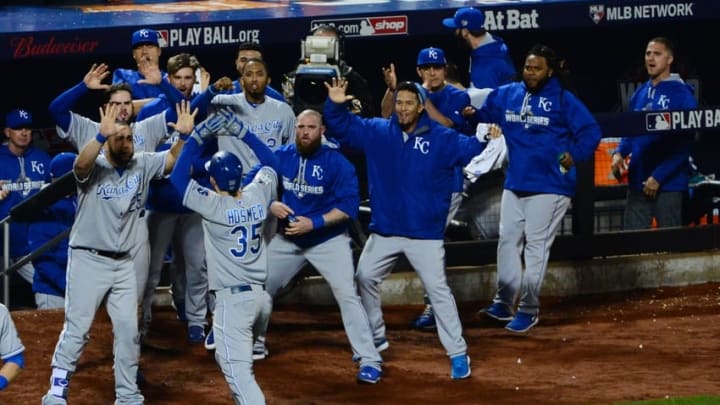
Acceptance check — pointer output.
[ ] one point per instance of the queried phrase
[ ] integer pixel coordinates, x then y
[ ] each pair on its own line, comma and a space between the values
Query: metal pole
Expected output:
6, 261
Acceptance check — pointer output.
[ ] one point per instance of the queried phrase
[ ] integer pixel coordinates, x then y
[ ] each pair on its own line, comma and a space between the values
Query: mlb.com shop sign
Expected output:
367, 26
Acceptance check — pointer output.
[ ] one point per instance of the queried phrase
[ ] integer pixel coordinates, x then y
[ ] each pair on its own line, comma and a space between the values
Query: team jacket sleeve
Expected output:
584, 128
348, 128
180, 175
346, 188
60, 107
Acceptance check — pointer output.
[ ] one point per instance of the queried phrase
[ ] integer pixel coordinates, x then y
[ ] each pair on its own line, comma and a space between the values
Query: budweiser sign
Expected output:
29, 46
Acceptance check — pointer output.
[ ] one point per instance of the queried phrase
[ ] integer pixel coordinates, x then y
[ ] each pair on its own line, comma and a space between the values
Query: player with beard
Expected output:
319, 197
547, 129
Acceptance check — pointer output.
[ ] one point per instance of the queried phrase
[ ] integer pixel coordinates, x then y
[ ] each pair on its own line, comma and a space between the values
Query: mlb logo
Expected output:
658, 121
164, 38
597, 13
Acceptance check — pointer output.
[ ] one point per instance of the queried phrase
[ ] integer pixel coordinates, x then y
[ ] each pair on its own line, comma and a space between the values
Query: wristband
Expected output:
318, 221
3, 382
184, 137
100, 138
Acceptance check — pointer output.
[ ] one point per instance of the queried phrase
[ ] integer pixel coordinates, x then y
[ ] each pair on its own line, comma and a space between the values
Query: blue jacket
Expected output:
329, 181
50, 266
491, 65
538, 128
141, 90
410, 182
24, 175
663, 156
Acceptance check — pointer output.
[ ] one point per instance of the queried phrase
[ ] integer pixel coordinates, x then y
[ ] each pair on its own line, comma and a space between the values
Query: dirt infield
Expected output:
586, 350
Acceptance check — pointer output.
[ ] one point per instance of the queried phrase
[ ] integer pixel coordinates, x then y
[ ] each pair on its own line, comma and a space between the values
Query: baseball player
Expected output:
112, 189
11, 349
171, 224
147, 134
247, 51
320, 196
50, 266
411, 164
23, 171
547, 129
235, 236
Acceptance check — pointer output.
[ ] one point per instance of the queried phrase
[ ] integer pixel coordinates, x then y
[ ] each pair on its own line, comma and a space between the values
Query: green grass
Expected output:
701, 400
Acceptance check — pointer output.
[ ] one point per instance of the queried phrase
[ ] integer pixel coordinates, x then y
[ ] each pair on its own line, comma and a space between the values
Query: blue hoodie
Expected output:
410, 181
538, 128
24, 175
490, 65
663, 156
314, 185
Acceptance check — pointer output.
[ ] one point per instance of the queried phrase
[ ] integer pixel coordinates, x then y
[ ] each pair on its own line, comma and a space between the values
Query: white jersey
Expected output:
10, 344
235, 230
273, 122
111, 200
147, 134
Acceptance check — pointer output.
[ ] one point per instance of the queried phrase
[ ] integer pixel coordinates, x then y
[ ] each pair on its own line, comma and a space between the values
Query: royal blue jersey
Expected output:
411, 176
23, 176
315, 184
538, 127
490, 65
663, 156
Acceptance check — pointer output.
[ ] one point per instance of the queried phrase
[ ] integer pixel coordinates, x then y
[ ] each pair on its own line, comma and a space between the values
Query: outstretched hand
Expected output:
185, 118
149, 70
234, 124
108, 117
390, 77
336, 90
94, 77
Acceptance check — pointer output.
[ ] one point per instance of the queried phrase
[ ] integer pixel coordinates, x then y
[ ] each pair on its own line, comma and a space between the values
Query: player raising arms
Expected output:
112, 189
235, 237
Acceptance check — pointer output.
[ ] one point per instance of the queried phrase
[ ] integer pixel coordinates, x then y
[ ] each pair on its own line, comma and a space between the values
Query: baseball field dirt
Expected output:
596, 349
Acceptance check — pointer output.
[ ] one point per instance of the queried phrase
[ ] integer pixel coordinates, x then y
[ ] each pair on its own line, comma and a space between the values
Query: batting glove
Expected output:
234, 125
207, 128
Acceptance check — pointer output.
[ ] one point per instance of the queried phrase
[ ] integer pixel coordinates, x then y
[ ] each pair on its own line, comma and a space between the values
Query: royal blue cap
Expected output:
466, 17
61, 164
18, 119
145, 36
431, 56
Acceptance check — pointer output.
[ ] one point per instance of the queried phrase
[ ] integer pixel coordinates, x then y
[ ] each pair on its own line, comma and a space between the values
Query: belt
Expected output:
239, 289
105, 253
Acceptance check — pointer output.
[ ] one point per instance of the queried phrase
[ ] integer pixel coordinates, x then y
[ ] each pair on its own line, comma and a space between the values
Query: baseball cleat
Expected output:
522, 322
368, 375
498, 311
460, 366
426, 321
196, 334
210, 340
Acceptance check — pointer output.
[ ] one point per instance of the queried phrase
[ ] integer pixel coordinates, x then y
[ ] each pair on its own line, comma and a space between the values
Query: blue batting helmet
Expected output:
227, 171
61, 164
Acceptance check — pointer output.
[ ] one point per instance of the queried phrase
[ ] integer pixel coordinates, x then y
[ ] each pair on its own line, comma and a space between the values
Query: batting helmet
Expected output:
227, 171
61, 164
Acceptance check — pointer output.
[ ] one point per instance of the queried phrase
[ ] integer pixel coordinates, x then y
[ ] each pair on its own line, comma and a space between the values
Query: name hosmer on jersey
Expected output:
248, 214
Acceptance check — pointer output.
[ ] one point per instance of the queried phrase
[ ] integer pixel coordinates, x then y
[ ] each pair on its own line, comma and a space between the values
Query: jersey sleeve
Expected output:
202, 200
10, 344
153, 129
80, 131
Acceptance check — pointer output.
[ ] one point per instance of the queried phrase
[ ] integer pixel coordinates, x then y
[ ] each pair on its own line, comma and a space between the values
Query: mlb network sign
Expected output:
367, 26
679, 120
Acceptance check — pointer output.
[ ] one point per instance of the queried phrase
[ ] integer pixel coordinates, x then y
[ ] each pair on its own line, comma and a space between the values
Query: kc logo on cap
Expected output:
18, 119
431, 56
145, 36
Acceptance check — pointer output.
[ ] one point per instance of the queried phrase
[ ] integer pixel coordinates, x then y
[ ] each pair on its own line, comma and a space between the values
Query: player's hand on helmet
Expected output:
186, 119
94, 77
234, 125
208, 127
336, 90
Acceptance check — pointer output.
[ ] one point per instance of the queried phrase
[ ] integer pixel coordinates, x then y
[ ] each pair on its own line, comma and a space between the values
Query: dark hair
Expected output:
256, 60
669, 43
124, 86
558, 65
251, 46
180, 61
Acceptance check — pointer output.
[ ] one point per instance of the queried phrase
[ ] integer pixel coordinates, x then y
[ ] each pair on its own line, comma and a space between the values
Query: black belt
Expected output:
105, 253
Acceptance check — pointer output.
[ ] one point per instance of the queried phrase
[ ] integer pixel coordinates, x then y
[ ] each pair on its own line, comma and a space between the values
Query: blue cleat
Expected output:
498, 311
460, 366
368, 375
196, 334
426, 321
522, 322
